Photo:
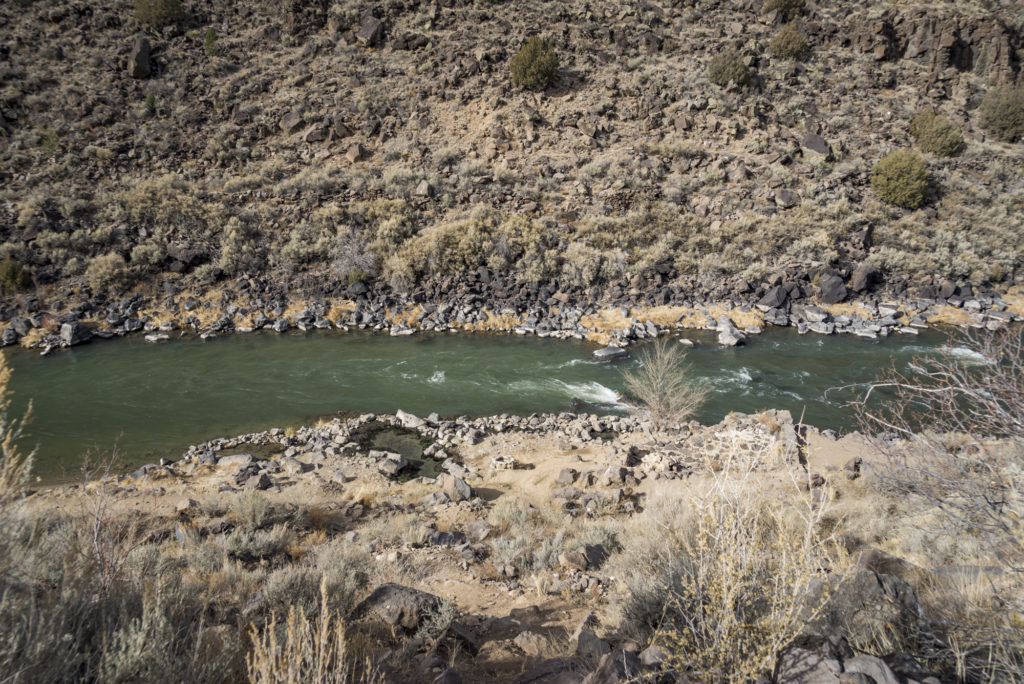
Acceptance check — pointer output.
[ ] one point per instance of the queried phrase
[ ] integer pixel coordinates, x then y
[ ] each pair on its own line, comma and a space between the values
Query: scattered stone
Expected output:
620, 666
860, 604
258, 482
863, 277
728, 334
354, 153
453, 538
852, 467
234, 460
589, 645
530, 643
872, 667
610, 353
399, 606
456, 488
388, 463
833, 289
291, 122
573, 559
424, 189
653, 656
504, 462
786, 199
566, 477
139, 64
408, 420
800, 666
370, 32
817, 146
74, 333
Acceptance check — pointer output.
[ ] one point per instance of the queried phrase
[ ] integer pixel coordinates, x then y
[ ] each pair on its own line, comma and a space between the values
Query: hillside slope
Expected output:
320, 149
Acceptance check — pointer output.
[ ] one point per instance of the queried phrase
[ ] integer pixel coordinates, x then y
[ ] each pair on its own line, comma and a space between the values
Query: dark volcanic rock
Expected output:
74, 333
833, 289
397, 605
139, 64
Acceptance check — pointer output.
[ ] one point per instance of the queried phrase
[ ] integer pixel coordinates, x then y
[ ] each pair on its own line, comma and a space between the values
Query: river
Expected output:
152, 400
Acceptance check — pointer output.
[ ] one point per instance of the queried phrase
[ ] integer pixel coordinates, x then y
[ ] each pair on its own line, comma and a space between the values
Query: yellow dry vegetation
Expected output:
607, 320
405, 317
742, 319
338, 308
846, 309
497, 323
949, 315
34, 335
1014, 299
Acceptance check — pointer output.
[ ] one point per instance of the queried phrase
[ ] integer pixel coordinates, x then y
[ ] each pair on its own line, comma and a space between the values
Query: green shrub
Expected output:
158, 13
535, 65
789, 43
1002, 113
936, 134
107, 273
148, 255
210, 41
901, 178
13, 276
728, 67
787, 9
239, 247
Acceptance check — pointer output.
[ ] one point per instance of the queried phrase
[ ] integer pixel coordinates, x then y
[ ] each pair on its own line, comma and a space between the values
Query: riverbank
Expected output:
531, 554
217, 312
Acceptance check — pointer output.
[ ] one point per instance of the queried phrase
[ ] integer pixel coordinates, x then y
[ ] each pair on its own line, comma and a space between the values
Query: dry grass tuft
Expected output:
304, 651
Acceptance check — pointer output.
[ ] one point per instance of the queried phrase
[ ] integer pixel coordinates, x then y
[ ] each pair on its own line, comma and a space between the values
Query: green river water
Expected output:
153, 400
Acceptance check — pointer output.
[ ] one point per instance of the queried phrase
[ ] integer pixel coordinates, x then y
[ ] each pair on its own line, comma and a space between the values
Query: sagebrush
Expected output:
535, 66
1002, 113
936, 134
728, 67
158, 13
901, 178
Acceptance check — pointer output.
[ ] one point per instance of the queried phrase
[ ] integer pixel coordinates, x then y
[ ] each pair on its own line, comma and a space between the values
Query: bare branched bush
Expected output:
721, 575
949, 431
664, 386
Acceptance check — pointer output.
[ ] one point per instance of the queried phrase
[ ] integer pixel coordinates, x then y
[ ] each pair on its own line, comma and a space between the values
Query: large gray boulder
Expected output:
863, 278
74, 333
388, 463
775, 298
833, 289
398, 606
139, 64
619, 666
858, 606
456, 488
409, 420
370, 32
728, 334
610, 353
800, 666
